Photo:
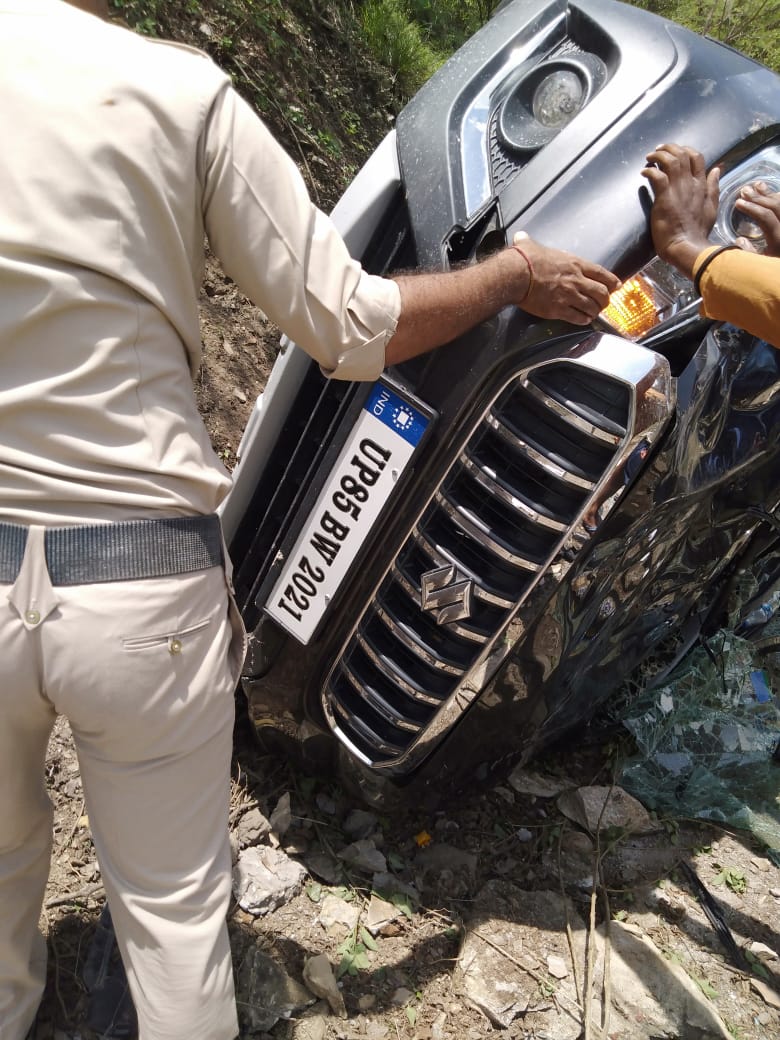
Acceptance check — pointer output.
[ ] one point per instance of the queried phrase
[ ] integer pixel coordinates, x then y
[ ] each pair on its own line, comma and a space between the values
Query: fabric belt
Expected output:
91, 553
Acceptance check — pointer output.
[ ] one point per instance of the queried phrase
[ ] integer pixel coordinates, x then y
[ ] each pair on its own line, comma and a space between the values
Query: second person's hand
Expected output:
762, 205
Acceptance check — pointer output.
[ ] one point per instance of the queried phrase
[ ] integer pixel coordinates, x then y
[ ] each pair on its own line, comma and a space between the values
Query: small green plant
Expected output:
733, 878
354, 952
141, 15
706, 987
400, 900
314, 891
547, 988
735, 1031
328, 143
672, 828
342, 892
351, 122
756, 967
395, 861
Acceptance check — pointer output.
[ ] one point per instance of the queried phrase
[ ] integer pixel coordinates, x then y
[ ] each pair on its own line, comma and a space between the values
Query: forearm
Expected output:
544, 281
437, 308
744, 289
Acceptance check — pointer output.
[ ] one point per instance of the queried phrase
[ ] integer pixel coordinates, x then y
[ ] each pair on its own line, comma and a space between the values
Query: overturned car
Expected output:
445, 570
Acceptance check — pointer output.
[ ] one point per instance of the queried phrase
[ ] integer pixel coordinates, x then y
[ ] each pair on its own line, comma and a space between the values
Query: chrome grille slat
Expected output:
414, 645
380, 705
386, 668
368, 734
571, 418
480, 534
536, 457
487, 480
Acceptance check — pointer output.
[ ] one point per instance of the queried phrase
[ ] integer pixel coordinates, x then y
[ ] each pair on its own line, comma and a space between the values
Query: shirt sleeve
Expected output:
744, 289
284, 253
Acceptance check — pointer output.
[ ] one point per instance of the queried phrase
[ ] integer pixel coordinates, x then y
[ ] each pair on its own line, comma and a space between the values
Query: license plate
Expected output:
379, 448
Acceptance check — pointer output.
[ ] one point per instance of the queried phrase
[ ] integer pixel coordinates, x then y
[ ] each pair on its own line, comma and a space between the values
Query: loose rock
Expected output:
527, 782
268, 992
651, 996
599, 808
281, 817
401, 996
337, 916
365, 856
252, 828
556, 966
360, 824
318, 976
379, 914
324, 866
264, 879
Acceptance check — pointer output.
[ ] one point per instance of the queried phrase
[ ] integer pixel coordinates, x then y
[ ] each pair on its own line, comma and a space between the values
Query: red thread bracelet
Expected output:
530, 272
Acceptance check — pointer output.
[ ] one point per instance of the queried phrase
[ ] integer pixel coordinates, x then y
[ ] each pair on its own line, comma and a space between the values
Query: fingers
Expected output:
574, 316
571, 298
759, 211
750, 191
602, 281
762, 206
681, 164
754, 200
658, 179
591, 298
677, 159
713, 186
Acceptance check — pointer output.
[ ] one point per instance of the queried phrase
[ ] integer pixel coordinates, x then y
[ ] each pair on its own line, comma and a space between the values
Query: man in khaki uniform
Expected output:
121, 154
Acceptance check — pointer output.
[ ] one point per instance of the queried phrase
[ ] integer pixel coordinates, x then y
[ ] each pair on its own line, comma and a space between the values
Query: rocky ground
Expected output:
490, 915
521, 909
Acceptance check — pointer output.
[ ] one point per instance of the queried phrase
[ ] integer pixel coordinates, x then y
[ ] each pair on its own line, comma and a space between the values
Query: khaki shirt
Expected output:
120, 154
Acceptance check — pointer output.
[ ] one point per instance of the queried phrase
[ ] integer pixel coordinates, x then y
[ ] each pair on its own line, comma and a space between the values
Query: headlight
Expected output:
546, 98
658, 292
558, 98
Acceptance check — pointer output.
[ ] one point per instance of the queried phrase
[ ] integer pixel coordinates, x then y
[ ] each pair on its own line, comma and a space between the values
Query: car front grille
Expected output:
520, 485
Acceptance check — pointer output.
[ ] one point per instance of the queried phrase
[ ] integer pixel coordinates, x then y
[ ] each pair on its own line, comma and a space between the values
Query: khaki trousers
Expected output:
145, 671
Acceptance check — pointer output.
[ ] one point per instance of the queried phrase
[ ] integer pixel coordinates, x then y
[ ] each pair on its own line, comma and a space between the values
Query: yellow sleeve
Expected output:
743, 289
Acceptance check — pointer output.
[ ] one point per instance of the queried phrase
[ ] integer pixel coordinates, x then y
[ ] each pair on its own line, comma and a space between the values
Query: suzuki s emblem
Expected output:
447, 593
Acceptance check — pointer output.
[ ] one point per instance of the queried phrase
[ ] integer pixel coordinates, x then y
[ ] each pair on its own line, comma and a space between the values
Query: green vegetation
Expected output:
411, 38
751, 26
733, 878
399, 43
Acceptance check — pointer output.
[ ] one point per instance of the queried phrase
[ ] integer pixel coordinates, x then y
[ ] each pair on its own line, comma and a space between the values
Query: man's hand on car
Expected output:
563, 285
685, 206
